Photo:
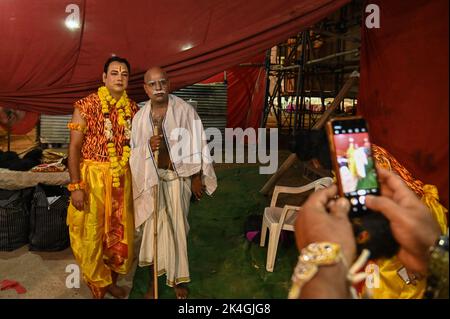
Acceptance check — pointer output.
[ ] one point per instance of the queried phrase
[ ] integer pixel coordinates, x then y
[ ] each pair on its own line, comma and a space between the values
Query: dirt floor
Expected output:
48, 275
43, 275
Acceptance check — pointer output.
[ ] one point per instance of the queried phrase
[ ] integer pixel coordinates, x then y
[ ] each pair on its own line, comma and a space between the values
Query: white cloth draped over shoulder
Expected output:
188, 149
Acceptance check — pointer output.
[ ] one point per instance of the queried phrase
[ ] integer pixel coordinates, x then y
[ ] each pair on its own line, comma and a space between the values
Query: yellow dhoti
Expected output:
101, 236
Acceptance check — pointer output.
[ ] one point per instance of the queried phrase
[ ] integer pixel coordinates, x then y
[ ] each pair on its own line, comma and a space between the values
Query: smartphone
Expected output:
353, 164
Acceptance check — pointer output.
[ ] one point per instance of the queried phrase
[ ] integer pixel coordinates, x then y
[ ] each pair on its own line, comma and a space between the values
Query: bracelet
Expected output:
76, 186
311, 257
324, 254
77, 127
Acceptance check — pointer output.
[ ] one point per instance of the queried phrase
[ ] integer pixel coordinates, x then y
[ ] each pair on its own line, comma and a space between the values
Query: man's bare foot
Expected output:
181, 291
117, 292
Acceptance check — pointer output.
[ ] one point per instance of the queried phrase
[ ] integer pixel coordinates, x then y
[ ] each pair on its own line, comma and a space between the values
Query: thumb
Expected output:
384, 205
340, 208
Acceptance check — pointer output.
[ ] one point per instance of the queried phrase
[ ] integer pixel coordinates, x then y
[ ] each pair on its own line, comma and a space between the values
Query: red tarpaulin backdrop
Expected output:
404, 86
246, 91
45, 66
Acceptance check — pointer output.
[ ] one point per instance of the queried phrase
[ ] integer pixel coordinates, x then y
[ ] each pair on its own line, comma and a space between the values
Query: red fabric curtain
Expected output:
404, 86
45, 66
246, 91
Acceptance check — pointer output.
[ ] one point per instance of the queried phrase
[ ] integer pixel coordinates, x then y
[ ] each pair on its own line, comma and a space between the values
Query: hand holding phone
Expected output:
356, 175
353, 164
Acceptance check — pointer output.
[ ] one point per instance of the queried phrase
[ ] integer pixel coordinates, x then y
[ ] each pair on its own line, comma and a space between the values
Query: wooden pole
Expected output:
320, 123
332, 56
274, 178
155, 225
338, 99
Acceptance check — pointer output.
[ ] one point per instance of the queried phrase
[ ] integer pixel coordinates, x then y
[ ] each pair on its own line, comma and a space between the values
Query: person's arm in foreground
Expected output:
412, 225
323, 219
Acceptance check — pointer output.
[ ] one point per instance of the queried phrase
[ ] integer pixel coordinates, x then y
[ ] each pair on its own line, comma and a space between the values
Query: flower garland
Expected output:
123, 119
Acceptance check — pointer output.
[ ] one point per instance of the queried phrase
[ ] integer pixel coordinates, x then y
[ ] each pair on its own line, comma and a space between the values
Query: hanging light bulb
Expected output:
187, 47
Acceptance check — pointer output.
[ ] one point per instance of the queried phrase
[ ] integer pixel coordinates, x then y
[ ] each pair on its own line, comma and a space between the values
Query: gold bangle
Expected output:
311, 257
76, 186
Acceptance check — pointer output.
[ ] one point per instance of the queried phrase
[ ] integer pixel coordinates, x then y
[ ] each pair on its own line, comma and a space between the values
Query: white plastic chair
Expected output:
276, 218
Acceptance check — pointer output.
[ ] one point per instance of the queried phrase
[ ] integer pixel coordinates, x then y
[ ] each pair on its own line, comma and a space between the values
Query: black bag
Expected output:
48, 229
14, 218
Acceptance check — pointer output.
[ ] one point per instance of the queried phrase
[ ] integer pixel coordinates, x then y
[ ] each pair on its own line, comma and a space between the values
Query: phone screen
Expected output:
354, 162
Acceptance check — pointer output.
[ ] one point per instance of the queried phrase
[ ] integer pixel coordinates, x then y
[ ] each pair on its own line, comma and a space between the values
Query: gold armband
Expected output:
76, 186
77, 127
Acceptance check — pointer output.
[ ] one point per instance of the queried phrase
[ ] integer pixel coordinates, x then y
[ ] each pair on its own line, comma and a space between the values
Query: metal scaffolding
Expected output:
298, 71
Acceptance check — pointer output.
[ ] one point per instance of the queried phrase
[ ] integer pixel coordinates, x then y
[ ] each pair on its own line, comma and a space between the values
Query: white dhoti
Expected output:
173, 228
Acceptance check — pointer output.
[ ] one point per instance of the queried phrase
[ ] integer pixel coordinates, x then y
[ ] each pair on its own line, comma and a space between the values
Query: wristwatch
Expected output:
437, 280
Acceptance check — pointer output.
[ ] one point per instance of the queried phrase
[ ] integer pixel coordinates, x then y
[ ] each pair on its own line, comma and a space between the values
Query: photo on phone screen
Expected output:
353, 161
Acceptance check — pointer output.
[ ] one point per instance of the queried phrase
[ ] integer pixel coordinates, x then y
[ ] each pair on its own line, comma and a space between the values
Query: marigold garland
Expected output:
123, 119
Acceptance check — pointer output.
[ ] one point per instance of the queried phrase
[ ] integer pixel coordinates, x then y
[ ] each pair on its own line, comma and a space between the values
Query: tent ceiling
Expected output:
45, 66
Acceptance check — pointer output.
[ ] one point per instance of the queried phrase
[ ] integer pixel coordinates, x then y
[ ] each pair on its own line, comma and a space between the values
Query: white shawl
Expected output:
196, 157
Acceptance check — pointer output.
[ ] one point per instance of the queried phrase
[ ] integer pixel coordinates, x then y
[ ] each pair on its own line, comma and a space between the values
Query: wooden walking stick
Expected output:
155, 224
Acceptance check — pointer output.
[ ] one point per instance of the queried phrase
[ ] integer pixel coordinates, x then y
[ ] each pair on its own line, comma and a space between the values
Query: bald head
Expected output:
156, 85
155, 73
